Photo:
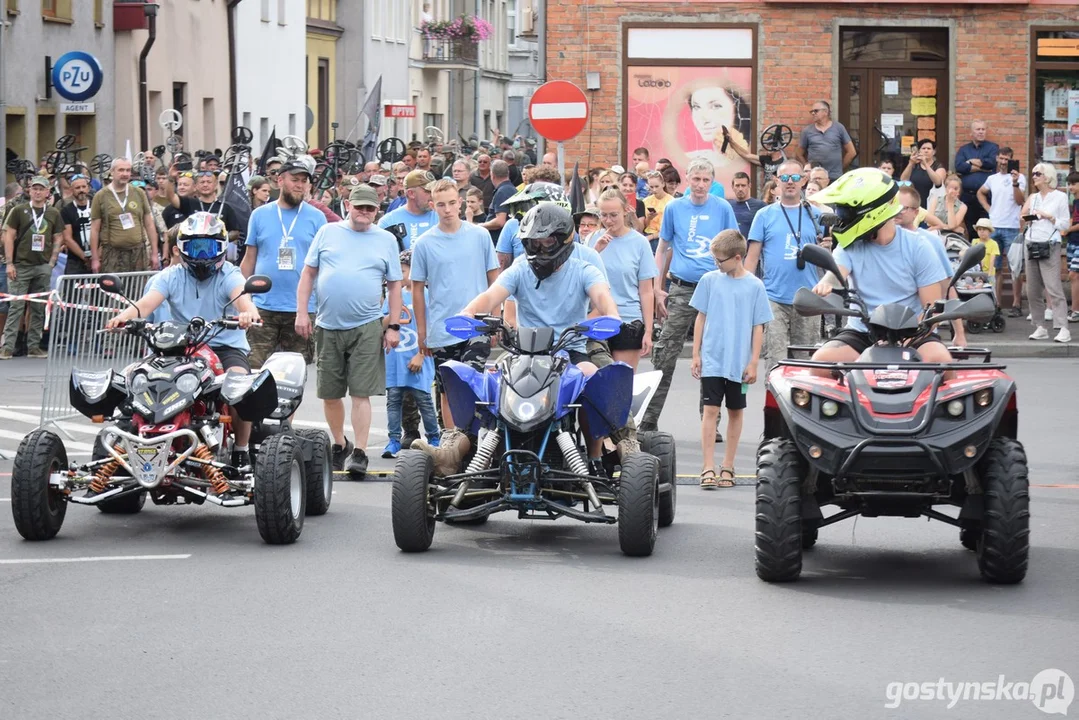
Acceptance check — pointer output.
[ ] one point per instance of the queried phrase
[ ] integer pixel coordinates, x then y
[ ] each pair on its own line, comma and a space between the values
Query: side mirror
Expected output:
808, 304
600, 328
978, 309
111, 284
464, 327
973, 256
818, 256
258, 284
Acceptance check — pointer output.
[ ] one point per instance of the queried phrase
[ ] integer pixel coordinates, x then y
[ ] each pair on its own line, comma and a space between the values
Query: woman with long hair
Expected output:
259, 189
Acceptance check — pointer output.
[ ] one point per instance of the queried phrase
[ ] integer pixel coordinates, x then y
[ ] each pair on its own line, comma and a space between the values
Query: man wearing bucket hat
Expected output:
416, 215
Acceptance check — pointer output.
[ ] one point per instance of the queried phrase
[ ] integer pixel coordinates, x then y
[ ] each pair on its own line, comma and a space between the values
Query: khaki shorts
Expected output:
350, 360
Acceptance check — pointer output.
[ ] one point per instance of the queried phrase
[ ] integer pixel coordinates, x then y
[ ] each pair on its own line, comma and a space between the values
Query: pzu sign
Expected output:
77, 76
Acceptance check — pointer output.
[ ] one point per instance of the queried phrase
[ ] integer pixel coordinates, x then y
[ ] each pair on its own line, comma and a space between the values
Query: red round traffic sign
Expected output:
558, 110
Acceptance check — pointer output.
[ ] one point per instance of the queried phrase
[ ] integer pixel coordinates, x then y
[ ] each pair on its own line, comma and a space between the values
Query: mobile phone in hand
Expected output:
1013, 166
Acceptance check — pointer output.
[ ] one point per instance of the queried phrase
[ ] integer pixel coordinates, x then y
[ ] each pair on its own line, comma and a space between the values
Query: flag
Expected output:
372, 108
236, 197
268, 151
576, 192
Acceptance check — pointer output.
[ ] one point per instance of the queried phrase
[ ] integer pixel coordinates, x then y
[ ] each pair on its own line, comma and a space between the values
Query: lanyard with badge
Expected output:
37, 238
286, 252
786, 217
127, 220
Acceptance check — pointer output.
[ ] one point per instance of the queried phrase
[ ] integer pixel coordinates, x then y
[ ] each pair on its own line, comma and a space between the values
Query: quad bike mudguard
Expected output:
607, 398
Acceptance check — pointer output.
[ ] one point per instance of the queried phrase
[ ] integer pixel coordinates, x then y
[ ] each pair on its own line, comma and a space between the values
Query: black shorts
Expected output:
577, 357
231, 357
630, 337
716, 391
860, 342
471, 352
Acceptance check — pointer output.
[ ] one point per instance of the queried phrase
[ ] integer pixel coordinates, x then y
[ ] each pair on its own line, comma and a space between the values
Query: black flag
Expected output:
576, 192
267, 152
236, 197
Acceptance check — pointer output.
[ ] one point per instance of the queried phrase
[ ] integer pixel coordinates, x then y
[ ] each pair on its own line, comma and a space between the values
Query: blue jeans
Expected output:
1004, 237
394, 397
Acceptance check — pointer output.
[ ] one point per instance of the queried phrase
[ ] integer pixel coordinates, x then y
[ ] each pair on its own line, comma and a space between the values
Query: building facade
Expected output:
672, 74
525, 46
323, 33
32, 115
271, 51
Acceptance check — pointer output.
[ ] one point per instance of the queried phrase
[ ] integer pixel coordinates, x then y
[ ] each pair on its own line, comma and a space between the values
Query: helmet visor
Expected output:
202, 248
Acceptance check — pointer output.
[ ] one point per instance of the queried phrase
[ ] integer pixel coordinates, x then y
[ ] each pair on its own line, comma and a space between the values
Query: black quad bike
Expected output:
170, 437
891, 435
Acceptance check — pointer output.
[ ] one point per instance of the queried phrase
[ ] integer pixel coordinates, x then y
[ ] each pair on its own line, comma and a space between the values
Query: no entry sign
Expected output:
558, 111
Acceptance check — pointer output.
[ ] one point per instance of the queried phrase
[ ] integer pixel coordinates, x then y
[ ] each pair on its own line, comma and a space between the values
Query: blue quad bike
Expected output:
892, 435
527, 409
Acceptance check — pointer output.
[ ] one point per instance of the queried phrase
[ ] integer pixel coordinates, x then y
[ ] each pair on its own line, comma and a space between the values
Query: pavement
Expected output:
183, 612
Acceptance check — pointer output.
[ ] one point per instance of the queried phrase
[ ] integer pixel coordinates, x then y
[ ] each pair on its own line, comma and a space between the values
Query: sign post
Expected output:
558, 112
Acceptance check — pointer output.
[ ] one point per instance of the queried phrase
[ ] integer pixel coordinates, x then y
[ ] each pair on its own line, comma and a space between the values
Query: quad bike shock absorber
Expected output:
211, 473
576, 463
480, 462
105, 473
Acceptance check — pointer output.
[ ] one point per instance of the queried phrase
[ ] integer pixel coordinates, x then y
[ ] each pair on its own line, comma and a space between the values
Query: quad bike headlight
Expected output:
139, 383
800, 397
955, 408
187, 383
984, 398
829, 408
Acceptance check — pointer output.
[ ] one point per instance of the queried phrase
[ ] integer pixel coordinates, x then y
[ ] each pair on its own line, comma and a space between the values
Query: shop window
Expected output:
901, 46
1055, 88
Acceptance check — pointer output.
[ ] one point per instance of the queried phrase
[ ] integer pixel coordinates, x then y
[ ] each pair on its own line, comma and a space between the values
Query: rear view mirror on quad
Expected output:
822, 258
808, 304
257, 284
972, 257
979, 308
600, 328
110, 284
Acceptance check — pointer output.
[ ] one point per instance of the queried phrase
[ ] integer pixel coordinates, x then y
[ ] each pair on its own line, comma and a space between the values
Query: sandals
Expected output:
708, 480
726, 482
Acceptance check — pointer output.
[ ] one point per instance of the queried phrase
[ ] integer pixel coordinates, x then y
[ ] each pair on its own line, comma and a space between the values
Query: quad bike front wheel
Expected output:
779, 534
1004, 544
661, 445
318, 471
410, 507
280, 491
128, 504
638, 504
38, 509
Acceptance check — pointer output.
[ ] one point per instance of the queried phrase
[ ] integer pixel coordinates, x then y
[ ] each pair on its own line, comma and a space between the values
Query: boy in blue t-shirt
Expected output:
408, 371
733, 309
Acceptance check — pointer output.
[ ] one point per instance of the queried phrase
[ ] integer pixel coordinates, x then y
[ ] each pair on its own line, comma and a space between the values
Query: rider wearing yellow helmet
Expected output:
884, 262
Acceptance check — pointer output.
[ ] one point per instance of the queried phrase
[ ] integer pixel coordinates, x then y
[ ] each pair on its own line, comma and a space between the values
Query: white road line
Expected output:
86, 447
5, 499
102, 558
33, 420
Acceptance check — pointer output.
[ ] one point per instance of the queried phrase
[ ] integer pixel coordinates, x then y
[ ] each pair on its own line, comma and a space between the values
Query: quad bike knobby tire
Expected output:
38, 510
410, 509
661, 445
280, 490
318, 471
126, 505
638, 504
1005, 537
779, 534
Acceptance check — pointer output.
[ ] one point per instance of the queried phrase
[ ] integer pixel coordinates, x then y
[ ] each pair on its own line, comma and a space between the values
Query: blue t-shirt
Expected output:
717, 189
590, 256
890, 273
559, 302
502, 193
351, 267
936, 244
397, 372
628, 260
189, 298
689, 229
415, 224
396, 203
266, 231
454, 267
732, 307
745, 211
508, 241
780, 246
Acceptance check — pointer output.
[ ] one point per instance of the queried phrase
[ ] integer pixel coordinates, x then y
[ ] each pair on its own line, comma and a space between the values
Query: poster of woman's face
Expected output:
680, 113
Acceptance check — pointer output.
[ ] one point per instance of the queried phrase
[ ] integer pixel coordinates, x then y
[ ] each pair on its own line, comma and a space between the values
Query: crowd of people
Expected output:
365, 273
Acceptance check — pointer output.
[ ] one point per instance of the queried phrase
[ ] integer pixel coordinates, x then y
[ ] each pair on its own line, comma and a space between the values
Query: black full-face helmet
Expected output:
547, 236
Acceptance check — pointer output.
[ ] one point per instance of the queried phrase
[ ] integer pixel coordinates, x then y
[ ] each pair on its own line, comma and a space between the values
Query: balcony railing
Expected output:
450, 51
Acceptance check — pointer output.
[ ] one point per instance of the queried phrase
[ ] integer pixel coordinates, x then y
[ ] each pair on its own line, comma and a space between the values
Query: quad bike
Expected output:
530, 456
170, 435
891, 435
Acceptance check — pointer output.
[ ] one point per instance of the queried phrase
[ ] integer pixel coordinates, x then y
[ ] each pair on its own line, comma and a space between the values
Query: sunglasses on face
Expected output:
364, 208
1036, 173
273, 173
791, 178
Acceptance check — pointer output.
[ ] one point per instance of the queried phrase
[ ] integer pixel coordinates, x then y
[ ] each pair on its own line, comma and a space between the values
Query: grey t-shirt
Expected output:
825, 148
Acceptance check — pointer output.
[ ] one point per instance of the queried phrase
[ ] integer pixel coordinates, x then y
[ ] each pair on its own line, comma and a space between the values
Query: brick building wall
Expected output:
798, 58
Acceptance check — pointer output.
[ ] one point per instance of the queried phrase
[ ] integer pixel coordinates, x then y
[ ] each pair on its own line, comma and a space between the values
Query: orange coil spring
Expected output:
214, 475
105, 473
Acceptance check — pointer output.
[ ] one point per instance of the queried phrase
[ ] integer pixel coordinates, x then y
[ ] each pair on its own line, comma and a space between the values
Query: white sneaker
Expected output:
1064, 336
1040, 334
1028, 317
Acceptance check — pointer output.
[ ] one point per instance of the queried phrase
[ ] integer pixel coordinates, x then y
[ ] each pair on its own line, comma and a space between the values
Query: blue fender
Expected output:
606, 399
465, 386
570, 386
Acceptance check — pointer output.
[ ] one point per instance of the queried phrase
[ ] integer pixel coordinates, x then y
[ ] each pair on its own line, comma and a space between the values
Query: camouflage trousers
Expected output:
278, 332
665, 353
121, 260
787, 328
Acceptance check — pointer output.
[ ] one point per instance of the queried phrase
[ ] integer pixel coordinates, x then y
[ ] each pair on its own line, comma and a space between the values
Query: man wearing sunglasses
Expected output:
348, 262
825, 142
76, 217
416, 214
776, 235
206, 200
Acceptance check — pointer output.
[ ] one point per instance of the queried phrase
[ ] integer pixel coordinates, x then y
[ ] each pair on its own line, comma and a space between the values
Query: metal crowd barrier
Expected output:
74, 341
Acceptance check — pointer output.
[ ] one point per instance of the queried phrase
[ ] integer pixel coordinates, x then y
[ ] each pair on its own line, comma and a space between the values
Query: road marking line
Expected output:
33, 420
67, 443
102, 558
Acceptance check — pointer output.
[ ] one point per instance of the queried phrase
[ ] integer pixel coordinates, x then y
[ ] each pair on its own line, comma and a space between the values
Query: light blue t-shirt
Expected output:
559, 302
351, 267
890, 273
277, 259
454, 267
397, 372
509, 242
415, 224
689, 229
628, 260
780, 246
590, 256
732, 307
936, 244
189, 298
718, 190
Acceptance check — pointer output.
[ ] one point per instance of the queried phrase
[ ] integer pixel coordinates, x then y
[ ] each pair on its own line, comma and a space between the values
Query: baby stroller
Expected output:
974, 282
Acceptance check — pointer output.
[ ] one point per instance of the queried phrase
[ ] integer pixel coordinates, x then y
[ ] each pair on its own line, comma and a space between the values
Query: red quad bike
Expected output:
891, 435
169, 436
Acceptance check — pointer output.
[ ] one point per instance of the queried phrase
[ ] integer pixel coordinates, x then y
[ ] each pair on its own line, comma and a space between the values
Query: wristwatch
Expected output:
394, 326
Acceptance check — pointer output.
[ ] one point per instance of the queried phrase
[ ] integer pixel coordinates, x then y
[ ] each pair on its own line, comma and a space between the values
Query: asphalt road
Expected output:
529, 619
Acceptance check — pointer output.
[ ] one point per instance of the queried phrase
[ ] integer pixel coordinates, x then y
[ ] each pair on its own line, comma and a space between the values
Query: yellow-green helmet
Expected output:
864, 199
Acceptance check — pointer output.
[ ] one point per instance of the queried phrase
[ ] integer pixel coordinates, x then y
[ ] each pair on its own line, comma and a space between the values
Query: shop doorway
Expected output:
894, 91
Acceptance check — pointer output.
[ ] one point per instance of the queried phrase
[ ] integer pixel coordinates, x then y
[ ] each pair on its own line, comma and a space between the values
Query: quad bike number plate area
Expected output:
147, 460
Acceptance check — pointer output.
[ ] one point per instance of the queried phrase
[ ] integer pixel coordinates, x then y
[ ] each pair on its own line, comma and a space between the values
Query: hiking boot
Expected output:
37, 353
357, 463
5, 355
341, 454
392, 448
448, 453
628, 445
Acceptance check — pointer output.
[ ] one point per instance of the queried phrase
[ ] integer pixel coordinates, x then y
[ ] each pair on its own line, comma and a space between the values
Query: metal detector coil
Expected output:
776, 137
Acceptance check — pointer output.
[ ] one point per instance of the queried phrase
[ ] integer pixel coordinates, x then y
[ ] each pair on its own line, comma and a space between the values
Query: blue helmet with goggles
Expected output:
202, 241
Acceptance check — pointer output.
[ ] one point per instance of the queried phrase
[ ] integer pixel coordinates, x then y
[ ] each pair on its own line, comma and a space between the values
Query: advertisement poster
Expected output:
1073, 117
679, 113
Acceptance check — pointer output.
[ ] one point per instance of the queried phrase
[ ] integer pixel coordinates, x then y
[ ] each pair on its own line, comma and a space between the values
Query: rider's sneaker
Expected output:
341, 454
596, 469
392, 448
432, 440
240, 459
357, 463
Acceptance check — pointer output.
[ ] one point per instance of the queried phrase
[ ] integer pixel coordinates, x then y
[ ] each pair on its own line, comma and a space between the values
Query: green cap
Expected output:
363, 195
41, 181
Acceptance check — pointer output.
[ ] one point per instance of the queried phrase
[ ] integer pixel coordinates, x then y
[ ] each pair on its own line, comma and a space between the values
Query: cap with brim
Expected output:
40, 181
590, 210
984, 223
419, 178
377, 180
618, 169
363, 195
